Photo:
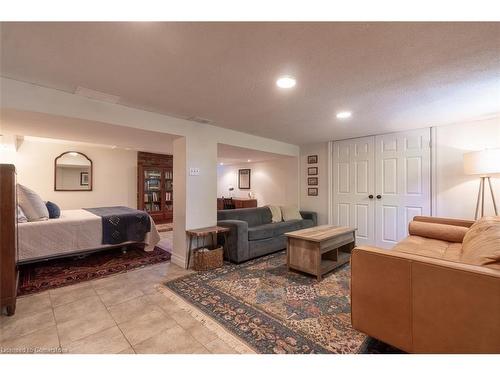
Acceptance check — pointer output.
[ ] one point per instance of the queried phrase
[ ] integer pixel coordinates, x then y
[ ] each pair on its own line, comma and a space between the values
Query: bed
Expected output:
74, 232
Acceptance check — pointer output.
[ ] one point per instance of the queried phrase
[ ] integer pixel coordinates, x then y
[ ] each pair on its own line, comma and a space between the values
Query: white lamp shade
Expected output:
485, 163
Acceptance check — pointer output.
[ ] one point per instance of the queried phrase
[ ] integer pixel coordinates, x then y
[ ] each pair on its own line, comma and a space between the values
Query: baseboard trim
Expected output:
178, 260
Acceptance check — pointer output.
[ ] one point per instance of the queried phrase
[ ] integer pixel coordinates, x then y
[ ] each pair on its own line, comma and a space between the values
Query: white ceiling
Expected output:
231, 155
392, 76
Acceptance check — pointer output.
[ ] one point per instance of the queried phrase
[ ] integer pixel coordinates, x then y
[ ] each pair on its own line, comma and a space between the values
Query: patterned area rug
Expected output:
40, 276
276, 311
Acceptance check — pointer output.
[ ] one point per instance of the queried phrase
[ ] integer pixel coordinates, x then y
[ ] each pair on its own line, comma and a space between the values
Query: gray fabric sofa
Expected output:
253, 234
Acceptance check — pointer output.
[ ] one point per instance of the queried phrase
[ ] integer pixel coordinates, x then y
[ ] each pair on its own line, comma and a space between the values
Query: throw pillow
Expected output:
481, 245
32, 205
21, 217
443, 232
290, 213
54, 210
276, 213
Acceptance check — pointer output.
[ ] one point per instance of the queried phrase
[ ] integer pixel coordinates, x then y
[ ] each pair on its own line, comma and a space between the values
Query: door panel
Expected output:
353, 171
402, 166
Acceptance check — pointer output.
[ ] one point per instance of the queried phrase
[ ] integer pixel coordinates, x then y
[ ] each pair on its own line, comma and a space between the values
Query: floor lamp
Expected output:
483, 163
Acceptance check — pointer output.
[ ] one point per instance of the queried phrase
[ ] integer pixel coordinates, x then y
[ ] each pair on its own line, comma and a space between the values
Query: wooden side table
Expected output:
210, 232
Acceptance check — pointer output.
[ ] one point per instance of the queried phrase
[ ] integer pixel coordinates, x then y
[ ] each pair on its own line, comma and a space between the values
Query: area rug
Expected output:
276, 311
40, 276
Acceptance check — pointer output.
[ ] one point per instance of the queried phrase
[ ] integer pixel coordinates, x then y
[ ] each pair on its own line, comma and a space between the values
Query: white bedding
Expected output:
74, 231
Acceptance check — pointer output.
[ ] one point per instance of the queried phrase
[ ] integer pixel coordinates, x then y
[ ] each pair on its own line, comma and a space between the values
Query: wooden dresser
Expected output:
8, 239
238, 203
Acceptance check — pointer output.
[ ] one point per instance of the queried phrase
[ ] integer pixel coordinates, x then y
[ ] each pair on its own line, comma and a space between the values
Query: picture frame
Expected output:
313, 192
312, 171
244, 179
312, 159
313, 181
84, 178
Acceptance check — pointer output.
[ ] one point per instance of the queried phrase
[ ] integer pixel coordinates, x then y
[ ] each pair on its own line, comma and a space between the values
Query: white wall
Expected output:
272, 182
456, 192
318, 204
114, 182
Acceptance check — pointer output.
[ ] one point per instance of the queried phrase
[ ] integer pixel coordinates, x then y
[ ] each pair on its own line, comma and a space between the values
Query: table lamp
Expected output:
483, 163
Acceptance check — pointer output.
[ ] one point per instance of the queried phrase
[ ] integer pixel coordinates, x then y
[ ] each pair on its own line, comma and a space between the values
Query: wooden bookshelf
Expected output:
155, 185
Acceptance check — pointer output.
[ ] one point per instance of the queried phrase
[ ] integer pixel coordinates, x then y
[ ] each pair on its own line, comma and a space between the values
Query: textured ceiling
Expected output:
392, 76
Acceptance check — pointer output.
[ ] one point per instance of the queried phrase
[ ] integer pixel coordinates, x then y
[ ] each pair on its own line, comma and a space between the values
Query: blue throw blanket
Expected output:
122, 224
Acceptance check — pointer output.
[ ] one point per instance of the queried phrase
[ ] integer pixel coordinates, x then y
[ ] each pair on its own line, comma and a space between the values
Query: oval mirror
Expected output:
73, 172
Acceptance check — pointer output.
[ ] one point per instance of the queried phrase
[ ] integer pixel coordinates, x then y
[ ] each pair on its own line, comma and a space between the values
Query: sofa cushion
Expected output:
481, 245
430, 247
307, 223
286, 226
253, 216
443, 232
260, 232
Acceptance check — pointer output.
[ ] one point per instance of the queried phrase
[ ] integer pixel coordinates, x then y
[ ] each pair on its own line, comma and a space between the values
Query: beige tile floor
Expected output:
123, 313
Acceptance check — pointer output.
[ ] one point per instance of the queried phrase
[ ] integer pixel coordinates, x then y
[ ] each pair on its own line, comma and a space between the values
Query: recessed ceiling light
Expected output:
286, 82
249, 160
344, 114
221, 163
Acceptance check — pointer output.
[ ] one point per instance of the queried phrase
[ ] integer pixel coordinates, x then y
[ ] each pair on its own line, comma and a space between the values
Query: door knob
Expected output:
370, 196
379, 196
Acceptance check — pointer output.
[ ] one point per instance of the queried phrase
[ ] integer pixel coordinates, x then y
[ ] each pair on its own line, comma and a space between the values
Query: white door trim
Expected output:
330, 182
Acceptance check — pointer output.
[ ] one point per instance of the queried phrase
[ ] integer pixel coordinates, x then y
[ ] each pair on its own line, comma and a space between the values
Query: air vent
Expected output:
97, 95
201, 120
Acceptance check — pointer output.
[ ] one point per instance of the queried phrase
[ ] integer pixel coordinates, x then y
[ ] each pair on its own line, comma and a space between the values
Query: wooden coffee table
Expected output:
320, 249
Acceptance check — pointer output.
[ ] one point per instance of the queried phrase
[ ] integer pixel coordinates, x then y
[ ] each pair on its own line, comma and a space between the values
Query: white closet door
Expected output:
353, 179
402, 183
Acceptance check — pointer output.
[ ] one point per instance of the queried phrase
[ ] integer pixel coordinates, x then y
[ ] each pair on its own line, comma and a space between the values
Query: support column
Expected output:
195, 195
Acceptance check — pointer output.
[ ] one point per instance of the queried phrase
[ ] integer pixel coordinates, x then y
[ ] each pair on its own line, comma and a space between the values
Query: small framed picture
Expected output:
84, 178
312, 171
312, 181
312, 192
312, 159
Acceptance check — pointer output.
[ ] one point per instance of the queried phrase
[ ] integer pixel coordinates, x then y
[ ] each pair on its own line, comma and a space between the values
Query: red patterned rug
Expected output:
40, 276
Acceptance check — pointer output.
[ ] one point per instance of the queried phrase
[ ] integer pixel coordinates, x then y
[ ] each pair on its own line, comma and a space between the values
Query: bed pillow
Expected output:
21, 217
290, 213
32, 205
54, 210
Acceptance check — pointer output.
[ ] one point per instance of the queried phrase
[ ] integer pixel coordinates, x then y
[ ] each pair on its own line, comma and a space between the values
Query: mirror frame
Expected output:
249, 179
91, 172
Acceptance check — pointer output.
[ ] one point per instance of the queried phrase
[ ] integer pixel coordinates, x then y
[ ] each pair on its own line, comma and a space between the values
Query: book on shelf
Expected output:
152, 197
152, 174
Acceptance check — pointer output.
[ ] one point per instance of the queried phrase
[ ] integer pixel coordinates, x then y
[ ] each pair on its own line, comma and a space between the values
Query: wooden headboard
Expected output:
8, 238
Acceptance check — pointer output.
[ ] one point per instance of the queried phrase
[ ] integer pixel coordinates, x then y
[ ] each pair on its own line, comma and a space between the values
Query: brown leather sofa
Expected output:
437, 291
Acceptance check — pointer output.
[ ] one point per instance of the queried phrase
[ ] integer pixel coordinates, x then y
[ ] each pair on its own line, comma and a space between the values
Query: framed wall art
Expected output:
312, 192
312, 159
312, 181
312, 171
